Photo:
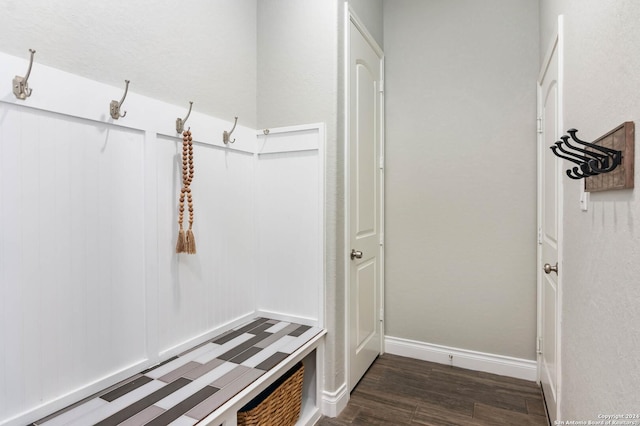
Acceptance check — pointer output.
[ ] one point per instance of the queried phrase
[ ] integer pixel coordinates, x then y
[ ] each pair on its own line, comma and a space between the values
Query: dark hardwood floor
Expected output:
405, 391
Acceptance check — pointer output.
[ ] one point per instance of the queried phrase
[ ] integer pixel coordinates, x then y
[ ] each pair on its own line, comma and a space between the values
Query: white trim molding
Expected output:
464, 358
334, 402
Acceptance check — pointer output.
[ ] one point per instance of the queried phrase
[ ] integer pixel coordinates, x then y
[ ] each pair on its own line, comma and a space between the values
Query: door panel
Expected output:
550, 218
364, 180
366, 318
366, 87
549, 349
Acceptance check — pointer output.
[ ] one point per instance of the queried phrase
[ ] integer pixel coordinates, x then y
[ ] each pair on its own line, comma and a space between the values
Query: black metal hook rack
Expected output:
591, 160
604, 164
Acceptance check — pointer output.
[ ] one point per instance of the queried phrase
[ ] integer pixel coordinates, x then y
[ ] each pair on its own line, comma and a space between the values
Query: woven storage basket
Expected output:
278, 405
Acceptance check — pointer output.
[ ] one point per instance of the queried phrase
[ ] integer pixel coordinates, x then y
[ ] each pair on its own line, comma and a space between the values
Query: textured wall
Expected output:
461, 173
600, 334
297, 59
204, 51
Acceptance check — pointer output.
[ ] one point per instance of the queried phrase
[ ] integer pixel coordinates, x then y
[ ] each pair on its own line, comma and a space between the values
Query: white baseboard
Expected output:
310, 419
313, 322
472, 360
334, 402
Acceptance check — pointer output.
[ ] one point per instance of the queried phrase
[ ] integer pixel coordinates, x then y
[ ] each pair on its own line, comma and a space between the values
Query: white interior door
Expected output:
364, 206
550, 227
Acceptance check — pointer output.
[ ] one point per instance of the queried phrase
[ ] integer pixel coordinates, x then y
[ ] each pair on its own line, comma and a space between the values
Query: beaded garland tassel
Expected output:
186, 240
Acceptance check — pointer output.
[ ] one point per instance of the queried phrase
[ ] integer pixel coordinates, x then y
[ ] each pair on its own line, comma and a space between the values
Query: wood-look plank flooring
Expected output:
405, 391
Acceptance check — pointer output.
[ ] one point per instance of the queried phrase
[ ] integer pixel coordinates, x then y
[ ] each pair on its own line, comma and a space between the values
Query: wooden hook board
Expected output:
622, 139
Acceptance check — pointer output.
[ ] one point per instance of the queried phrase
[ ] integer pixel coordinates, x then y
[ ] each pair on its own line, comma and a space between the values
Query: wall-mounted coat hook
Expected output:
595, 161
180, 122
589, 164
615, 155
599, 157
227, 135
572, 173
115, 106
592, 162
20, 84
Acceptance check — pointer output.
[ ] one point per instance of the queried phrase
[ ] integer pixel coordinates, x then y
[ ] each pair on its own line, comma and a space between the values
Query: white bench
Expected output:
208, 384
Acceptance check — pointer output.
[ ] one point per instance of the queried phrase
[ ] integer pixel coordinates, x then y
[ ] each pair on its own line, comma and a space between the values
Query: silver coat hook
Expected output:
180, 122
115, 106
227, 135
20, 84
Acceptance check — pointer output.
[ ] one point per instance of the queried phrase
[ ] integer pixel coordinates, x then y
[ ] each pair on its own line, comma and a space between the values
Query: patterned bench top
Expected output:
188, 387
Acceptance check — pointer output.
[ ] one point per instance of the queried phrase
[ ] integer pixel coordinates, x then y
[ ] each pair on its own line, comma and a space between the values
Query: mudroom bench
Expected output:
208, 384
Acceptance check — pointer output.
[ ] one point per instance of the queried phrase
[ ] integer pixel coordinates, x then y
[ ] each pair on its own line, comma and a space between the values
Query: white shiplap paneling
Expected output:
91, 289
72, 253
290, 205
212, 287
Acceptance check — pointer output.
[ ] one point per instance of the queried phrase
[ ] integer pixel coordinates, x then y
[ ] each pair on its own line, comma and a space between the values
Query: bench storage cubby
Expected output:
278, 404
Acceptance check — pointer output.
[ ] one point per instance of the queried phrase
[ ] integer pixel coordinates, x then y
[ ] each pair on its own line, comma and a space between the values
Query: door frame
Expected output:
557, 45
353, 18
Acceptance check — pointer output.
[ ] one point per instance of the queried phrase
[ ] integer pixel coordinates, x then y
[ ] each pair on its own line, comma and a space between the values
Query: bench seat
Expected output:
202, 385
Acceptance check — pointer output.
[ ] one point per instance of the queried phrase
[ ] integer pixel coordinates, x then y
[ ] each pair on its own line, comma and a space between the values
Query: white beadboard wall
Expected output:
289, 225
91, 290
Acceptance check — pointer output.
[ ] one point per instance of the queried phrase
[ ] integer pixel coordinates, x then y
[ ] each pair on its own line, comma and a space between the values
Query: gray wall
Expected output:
601, 288
297, 59
460, 177
204, 51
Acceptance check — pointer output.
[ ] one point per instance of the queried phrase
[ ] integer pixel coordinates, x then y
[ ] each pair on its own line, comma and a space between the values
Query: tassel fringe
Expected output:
190, 242
180, 245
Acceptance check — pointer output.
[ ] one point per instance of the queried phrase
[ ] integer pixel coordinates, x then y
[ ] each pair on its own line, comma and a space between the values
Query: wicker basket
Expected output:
278, 405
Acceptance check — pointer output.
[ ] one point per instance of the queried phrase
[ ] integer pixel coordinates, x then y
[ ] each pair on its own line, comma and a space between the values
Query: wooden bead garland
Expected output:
186, 240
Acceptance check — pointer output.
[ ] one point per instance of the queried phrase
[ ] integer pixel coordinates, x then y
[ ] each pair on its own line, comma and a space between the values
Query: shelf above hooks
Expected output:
21, 84
114, 107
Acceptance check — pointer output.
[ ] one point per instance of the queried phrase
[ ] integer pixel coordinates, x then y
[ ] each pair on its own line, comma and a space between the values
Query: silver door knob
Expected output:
548, 268
356, 254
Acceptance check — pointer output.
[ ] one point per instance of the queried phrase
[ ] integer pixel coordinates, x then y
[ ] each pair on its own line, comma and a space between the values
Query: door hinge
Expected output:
381, 239
381, 314
381, 165
539, 236
381, 86
539, 345
539, 124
